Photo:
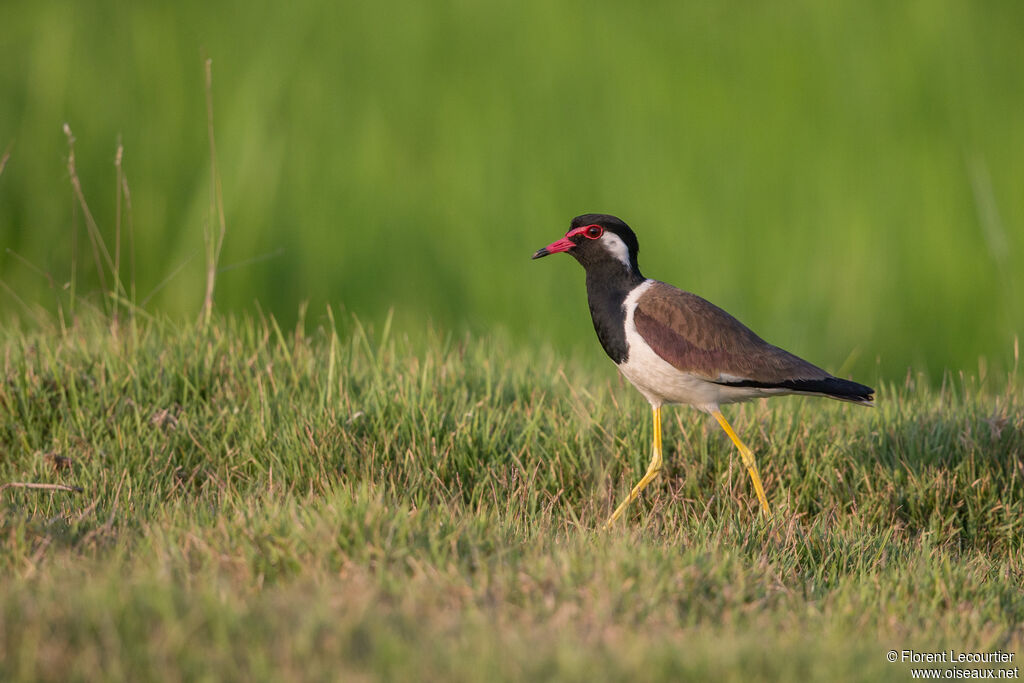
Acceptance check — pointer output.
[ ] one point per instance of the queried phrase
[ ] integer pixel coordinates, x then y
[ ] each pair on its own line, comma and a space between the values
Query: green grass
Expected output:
262, 503
841, 176
316, 501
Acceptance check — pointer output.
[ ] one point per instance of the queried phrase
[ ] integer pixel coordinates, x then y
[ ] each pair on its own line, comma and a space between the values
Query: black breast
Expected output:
606, 294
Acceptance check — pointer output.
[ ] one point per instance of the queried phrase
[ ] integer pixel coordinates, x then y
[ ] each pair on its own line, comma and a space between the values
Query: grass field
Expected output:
405, 478
841, 176
259, 503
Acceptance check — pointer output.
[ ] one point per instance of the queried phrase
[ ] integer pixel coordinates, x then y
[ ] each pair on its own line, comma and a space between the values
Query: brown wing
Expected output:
696, 336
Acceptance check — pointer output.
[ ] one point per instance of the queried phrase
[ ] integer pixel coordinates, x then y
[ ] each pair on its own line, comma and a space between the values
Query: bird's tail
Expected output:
833, 387
828, 386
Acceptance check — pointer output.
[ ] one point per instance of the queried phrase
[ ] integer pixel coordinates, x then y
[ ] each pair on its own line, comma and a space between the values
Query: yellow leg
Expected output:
748, 459
652, 471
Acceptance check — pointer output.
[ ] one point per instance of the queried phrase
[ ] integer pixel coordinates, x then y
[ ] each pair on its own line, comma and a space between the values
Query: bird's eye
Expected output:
593, 232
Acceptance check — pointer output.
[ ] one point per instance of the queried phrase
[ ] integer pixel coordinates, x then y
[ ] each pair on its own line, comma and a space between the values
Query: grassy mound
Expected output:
257, 503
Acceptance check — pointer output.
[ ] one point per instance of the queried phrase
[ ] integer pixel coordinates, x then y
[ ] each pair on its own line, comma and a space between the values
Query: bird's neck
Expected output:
607, 289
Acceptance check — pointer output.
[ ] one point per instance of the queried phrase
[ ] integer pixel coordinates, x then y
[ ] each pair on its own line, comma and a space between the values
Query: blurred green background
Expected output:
844, 177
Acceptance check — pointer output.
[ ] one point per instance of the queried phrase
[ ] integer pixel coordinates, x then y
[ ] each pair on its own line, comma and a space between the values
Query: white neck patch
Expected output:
616, 247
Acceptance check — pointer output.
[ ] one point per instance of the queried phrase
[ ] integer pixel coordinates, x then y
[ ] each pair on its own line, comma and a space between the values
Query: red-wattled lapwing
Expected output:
675, 347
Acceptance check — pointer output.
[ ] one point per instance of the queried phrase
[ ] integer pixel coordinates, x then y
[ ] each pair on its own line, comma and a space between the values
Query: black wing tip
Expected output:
847, 390
867, 399
831, 387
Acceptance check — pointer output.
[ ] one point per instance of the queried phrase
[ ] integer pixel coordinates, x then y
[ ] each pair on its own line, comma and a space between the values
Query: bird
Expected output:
678, 348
